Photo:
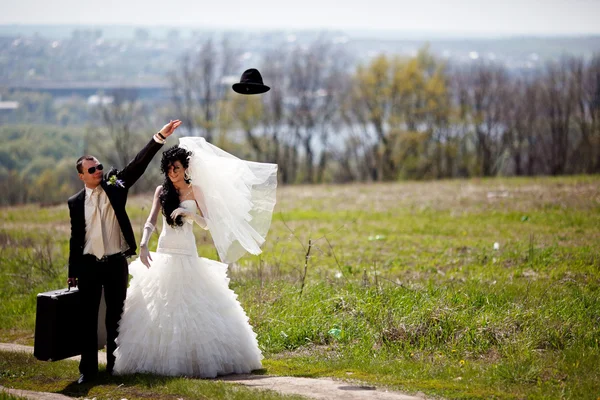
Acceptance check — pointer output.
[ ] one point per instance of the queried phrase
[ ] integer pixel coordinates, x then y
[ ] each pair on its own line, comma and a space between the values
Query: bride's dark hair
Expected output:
169, 198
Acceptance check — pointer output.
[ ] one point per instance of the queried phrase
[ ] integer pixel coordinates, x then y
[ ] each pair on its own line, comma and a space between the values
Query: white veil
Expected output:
236, 197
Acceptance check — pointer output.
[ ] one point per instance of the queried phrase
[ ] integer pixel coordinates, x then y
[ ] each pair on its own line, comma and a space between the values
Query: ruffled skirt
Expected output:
181, 319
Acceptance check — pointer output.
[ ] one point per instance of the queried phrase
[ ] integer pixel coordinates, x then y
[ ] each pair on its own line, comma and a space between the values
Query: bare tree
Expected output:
280, 140
521, 121
199, 88
123, 117
314, 101
330, 123
585, 84
559, 107
594, 85
485, 93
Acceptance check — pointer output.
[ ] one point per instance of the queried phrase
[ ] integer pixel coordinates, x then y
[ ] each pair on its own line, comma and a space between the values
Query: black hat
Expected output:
251, 83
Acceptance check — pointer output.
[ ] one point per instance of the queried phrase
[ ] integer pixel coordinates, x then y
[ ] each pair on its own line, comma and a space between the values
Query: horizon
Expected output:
458, 18
385, 34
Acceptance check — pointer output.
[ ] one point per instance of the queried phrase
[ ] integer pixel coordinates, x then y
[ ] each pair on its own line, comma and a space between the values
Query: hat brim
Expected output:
250, 88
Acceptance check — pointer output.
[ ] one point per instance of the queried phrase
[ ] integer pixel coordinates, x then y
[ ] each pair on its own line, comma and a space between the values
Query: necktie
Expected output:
97, 237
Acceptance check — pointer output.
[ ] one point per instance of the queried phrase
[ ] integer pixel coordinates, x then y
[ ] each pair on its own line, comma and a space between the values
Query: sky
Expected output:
457, 17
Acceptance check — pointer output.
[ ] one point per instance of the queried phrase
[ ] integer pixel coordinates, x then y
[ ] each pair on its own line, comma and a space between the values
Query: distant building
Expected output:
8, 106
98, 99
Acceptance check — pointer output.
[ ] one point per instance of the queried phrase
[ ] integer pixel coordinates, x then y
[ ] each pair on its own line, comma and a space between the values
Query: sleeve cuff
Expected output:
157, 139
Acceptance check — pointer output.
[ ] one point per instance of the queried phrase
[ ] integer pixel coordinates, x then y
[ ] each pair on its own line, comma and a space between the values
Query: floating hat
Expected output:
250, 83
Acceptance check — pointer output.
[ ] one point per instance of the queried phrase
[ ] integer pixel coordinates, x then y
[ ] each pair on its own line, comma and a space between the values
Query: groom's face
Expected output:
91, 180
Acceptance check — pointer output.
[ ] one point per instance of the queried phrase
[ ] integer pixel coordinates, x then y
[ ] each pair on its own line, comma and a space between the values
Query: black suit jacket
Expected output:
118, 199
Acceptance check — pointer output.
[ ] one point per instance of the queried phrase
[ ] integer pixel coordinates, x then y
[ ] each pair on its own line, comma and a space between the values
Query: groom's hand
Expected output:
169, 128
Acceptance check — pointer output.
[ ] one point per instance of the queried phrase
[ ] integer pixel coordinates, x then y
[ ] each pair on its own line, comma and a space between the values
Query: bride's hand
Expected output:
145, 256
169, 128
179, 211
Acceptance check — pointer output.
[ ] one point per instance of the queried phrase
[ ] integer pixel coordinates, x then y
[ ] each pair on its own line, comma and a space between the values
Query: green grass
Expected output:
22, 371
404, 286
491, 340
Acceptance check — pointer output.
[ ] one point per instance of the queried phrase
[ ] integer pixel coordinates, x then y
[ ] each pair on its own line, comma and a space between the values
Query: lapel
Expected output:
115, 196
80, 210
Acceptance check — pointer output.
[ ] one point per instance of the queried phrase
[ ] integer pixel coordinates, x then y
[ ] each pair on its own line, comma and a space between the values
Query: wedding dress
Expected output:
180, 317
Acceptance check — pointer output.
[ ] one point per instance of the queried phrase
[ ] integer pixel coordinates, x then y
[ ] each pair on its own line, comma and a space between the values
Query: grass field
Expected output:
463, 289
6, 396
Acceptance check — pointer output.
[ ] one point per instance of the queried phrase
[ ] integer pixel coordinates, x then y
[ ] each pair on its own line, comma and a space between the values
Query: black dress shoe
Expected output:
85, 378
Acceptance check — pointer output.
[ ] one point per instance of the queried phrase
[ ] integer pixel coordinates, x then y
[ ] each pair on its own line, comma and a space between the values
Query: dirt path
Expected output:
321, 388
28, 394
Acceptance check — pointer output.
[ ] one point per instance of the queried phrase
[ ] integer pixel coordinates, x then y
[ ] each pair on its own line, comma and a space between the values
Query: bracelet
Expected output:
161, 136
158, 140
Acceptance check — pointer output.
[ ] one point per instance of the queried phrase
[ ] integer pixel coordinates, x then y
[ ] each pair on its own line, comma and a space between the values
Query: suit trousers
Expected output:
111, 274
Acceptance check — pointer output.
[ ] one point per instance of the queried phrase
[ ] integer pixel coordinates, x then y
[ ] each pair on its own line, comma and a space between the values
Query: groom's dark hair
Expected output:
80, 161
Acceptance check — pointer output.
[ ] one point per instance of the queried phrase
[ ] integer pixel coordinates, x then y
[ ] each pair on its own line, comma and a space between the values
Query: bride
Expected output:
180, 317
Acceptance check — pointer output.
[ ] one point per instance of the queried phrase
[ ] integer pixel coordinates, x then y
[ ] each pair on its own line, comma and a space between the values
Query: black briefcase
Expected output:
56, 334
57, 325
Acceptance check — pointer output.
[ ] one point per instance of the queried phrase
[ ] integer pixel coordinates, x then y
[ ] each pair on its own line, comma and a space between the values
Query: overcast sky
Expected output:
498, 17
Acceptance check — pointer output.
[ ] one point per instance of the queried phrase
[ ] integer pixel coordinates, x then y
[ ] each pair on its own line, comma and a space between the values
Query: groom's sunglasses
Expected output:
98, 167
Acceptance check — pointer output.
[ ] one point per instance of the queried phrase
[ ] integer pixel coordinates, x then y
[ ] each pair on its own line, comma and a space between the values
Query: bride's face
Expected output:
176, 172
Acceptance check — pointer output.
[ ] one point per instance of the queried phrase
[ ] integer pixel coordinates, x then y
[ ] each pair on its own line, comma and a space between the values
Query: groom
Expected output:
101, 238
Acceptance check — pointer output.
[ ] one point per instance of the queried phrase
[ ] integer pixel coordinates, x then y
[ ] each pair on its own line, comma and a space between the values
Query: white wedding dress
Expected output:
180, 317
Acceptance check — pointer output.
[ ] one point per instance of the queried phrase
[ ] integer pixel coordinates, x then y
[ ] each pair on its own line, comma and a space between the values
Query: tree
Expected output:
199, 86
402, 107
122, 119
432, 113
248, 111
372, 109
484, 88
314, 80
585, 84
559, 109
280, 140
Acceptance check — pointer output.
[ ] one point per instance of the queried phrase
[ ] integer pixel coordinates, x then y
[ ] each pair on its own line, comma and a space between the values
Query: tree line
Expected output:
327, 120
330, 119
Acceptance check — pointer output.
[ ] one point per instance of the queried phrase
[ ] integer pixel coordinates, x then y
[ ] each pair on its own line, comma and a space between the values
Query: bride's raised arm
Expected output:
149, 227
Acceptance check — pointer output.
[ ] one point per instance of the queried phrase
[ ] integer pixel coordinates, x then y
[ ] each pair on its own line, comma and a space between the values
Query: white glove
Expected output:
189, 217
144, 252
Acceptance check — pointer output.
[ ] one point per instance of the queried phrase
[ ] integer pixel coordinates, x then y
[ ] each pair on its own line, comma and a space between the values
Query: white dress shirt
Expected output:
112, 237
